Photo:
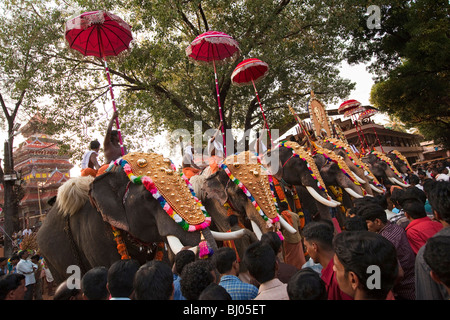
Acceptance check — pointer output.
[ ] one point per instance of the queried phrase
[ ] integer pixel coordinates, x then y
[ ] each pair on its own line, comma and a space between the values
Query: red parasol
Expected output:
100, 34
348, 105
217, 48
350, 108
248, 72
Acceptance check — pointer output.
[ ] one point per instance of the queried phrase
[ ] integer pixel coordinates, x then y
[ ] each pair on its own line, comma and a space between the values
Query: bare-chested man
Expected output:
111, 146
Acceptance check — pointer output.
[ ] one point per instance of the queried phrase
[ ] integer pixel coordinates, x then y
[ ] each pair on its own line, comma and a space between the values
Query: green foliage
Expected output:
417, 89
156, 86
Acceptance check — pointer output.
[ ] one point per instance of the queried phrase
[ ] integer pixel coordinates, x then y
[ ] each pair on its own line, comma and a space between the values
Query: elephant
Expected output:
333, 175
220, 188
360, 171
78, 228
400, 162
291, 169
384, 169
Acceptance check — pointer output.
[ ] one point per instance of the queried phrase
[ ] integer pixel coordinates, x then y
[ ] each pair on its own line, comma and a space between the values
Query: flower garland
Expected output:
320, 185
388, 161
121, 248
250, 197
356, 161
151, 187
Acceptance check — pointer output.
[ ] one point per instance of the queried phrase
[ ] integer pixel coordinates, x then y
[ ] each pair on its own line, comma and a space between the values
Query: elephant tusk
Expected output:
321, 199
176, 245
360, 180
353, 193
256, 230
395, 181
225, 236
287, 226
375, 188
405, 185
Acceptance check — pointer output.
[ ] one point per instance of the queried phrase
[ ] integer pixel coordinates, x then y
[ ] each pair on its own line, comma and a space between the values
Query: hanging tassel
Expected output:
205, 251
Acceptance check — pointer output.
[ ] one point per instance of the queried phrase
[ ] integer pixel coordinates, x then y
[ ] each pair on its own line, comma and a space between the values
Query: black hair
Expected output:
94, 145
183, 258
358, 250
306, 284
356, 223
10, 282
319, 232
437, 256
94, 282
260, 260
223, 259
63, 292
414, 208
413, 179
196, 276
439, 198
120, 277
214, 292
373, 212
273, 240
153, 281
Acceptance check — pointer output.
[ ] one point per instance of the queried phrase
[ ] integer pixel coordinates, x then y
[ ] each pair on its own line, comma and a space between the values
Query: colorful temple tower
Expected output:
44, 168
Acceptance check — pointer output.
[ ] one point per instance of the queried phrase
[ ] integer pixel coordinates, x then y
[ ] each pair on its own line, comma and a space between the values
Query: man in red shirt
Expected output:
318, 239
420, 227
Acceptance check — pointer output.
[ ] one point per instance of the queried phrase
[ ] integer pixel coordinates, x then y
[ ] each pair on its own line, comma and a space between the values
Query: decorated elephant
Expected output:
294, 165
245, 185
384, 169
359, 170
134, 210
335, 172
400, 161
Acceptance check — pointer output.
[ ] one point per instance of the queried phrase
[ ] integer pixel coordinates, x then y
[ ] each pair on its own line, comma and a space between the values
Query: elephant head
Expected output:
238, 188
158, 210
335, 172
400, 161
384, 169
291, 163
359, 170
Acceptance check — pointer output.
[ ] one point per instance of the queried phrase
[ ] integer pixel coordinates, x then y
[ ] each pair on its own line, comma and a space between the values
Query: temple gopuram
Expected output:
43, 170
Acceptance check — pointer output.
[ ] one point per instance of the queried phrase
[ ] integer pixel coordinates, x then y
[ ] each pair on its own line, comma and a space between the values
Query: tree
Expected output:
412, 64
158, 88
23, 36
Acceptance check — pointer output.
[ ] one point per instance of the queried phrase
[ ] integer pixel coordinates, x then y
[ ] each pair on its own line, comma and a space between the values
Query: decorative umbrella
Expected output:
100, 34
217, 48
348, 105
350, 108
248, 72
367, 114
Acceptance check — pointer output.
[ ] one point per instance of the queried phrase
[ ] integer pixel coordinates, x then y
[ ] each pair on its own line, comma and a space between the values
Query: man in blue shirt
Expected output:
228, 267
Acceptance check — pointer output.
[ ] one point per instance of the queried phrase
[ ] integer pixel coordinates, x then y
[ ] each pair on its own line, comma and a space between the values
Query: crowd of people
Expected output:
371, 257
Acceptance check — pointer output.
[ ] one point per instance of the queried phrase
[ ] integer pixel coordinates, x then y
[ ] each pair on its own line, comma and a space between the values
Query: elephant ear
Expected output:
215, 187
107, 192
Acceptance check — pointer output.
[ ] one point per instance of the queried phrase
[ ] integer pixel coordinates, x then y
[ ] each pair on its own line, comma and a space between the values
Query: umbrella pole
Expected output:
262, 111
220, 110
376, 135
114, 106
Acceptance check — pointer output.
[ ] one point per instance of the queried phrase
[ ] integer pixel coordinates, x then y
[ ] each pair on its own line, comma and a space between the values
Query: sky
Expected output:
356, 73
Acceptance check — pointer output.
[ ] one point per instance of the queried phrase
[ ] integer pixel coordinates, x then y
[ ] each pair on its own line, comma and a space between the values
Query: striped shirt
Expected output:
405, 289
237, 289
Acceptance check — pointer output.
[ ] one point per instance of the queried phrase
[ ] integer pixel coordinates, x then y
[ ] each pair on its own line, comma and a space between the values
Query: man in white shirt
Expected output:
27, 268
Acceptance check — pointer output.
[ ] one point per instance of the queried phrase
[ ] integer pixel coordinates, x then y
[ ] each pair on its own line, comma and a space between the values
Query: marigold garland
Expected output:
121, 247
